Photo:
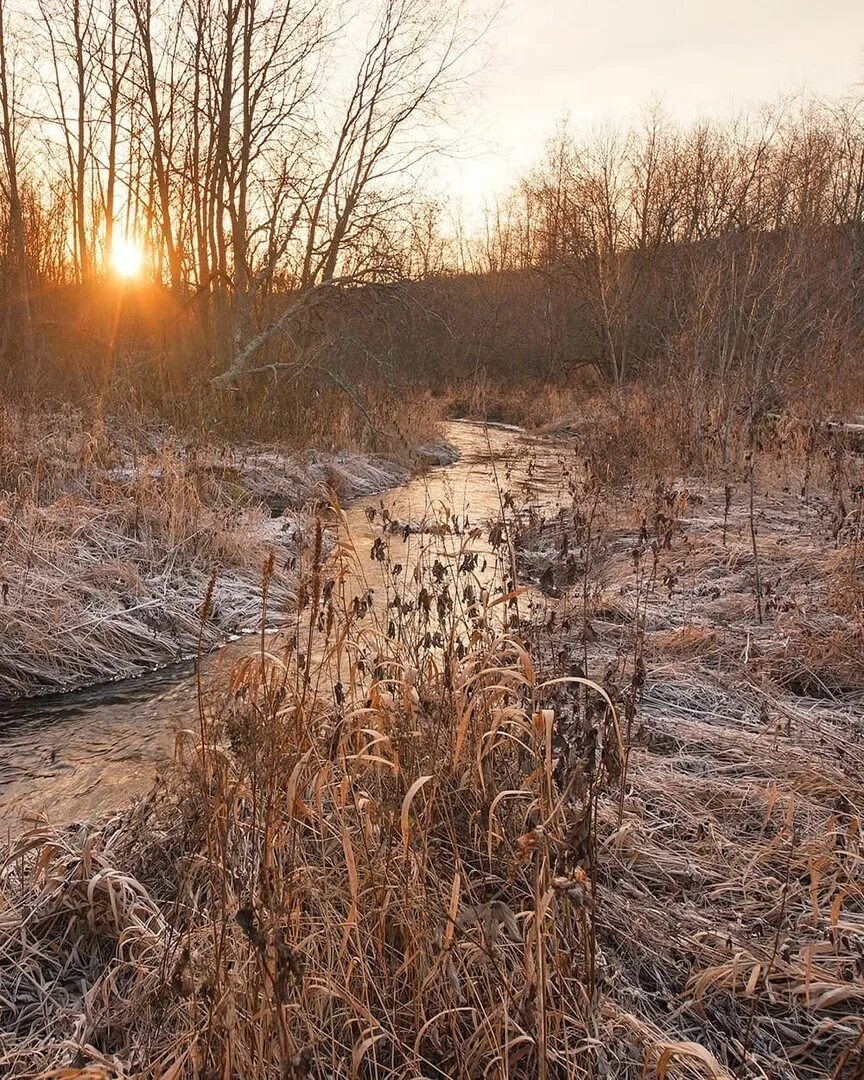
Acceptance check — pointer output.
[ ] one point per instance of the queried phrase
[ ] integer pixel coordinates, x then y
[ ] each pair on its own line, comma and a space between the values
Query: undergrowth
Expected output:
412, 837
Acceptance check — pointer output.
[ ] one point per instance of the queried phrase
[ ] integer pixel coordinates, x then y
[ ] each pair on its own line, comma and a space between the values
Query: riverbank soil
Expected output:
582, 798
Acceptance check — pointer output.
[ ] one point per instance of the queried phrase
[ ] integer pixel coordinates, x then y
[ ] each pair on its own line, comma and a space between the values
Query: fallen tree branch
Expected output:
240, 364
305, 300
343, 386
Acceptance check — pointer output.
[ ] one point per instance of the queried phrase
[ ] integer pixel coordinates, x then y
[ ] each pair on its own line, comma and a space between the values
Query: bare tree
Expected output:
144, 22
9, 138
412, 60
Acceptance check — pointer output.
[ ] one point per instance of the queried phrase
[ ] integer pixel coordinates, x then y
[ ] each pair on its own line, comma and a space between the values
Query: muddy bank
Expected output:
109, 550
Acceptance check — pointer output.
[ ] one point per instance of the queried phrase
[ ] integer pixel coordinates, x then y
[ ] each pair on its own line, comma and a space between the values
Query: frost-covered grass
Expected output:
109, 540
460, 829
413, 840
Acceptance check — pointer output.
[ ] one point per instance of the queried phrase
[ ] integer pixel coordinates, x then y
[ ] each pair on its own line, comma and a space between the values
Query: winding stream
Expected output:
75, 755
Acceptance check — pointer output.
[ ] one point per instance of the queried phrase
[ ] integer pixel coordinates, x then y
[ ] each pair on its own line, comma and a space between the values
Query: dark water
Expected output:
72, 756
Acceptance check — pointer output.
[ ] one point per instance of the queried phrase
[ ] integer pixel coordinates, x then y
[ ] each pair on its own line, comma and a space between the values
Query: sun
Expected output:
127, 258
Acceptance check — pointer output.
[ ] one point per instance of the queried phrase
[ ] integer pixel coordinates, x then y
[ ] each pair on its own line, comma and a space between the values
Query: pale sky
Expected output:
604, 60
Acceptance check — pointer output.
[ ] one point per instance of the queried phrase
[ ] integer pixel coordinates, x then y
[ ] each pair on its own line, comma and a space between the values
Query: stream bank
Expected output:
107, 550
673, 862
78, 754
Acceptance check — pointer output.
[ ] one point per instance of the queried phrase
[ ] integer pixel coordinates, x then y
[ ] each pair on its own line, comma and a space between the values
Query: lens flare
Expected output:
127, 259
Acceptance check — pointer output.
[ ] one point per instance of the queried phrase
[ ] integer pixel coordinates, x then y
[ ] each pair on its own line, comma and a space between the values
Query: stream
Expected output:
77, 755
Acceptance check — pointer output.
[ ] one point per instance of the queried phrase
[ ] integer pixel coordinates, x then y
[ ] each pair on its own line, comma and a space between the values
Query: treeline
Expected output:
731, 251
264, 157
251, 148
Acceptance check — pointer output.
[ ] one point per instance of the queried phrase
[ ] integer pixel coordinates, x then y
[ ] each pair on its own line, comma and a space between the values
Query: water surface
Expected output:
75, 755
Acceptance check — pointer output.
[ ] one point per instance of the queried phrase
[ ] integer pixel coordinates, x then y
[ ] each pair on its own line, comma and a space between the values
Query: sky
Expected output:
605, 60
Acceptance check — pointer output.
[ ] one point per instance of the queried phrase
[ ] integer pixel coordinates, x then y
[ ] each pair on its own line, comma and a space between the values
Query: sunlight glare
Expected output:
126, 258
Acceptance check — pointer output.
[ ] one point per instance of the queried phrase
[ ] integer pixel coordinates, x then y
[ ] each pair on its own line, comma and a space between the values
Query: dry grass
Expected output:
730, 911
109, 540
670, 425
416, 841
362, 865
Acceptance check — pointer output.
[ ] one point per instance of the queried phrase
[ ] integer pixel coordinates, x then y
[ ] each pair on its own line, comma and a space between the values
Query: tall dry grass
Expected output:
362, 864
402, 843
